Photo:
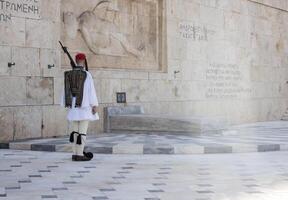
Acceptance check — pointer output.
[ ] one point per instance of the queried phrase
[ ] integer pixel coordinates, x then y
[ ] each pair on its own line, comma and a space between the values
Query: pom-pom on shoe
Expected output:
88, 154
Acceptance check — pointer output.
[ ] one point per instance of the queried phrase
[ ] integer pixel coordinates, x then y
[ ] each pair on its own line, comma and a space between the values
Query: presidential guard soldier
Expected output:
80, 97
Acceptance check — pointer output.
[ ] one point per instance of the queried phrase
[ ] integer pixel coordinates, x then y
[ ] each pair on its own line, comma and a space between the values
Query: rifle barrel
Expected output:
72, 63
61, 44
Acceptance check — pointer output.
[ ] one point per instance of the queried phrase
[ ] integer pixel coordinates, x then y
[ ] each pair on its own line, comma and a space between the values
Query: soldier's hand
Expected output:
94, 110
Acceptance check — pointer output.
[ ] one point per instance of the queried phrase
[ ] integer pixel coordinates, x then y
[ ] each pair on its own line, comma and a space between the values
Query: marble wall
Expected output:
30, 30
216, 58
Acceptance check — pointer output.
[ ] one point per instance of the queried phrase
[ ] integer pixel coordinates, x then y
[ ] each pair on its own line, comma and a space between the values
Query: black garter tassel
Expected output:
72, 136
79, 139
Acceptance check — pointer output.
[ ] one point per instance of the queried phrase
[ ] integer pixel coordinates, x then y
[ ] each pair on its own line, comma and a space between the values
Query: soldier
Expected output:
80, 97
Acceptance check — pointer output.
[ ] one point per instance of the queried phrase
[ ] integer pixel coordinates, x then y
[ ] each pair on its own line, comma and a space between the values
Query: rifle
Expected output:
72, 63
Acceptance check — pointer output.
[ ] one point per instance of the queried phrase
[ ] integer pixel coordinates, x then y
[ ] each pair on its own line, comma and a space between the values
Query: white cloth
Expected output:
89, 100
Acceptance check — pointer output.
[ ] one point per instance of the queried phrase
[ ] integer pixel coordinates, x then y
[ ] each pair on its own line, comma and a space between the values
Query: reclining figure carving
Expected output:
100, 35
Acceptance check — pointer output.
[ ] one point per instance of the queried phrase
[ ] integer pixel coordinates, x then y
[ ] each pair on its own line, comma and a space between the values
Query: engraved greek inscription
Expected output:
194, 32
5, 17
19, 8
225, 81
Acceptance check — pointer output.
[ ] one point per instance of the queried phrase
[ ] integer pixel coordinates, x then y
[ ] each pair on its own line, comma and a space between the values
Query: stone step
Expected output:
133, 119
165, 123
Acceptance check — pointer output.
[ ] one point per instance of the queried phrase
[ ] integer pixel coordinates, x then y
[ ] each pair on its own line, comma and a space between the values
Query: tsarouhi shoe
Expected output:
88, 154
74, 157
80, 158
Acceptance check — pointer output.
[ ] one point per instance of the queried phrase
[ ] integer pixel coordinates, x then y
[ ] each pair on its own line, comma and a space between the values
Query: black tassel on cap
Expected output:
79, 139
86, 65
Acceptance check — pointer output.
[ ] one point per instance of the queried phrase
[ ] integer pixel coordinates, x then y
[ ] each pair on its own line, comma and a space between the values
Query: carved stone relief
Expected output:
128, 30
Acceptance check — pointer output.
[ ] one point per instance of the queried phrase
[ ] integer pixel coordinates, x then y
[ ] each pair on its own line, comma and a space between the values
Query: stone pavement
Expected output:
44, 175
258, 137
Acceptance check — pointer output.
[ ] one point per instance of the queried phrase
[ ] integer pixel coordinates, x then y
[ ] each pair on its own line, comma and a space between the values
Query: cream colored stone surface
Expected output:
5, 57
52, 58
139, 75
13, 91
157, 76
109, 74
7, 124
108, 89
40, 90
139, 90
13, 32
54, 123
58, 90
42, 34
26, 60
27, 122
50, 10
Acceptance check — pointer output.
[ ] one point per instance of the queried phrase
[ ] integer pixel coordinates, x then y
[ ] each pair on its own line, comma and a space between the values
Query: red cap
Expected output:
80, 56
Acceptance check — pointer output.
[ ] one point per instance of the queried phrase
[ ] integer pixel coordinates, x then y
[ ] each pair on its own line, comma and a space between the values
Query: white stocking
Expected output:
83, 126
75, 127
